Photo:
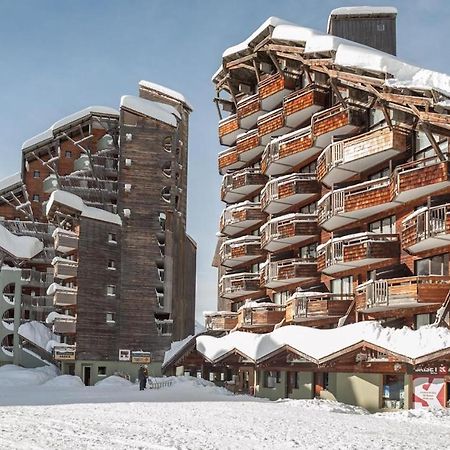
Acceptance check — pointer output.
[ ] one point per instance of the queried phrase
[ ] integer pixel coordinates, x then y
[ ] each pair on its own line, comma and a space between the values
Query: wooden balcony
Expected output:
286, 153
236, 285
241, 184
337, 120
64, 352
273, 89
324, 307
229, 160
285, 272
272, 125
229, 128
412, 295
357, 251
426, 229
343, 160
235, 252
64, 326
65, 241
261, 316
341, 207
249, 146
288, 231
283, 193
65, 297
420, 178
300, 105
221, 320
64, 268
240, 217
248, 110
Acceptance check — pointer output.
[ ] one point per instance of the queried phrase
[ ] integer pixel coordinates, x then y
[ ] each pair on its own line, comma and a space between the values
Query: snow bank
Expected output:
37, 333
318, 344
64, 381
11, 375
20, 247
324, 405
114, 382
159, 111
165, 91
76, 203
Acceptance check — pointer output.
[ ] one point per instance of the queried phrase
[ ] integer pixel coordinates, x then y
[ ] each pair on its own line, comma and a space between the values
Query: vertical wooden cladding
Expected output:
243, 181
260, 316
248, 141
371, 249
228, 159
320, 305
335, 118
303, 99
295, 144
228, 125
221, 322
248, 106
377, 195
273, 84
95, 338
270, 123
240, 284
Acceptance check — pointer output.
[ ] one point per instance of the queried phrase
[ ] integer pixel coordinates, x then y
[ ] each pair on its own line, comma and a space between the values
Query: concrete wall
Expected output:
305, 386
279, 391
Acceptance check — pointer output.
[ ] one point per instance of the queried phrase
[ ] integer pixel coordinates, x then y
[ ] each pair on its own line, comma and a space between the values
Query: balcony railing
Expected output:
64, 268
229, 128
221, 320
273, 89
281, 194
240, 217
248, 110
229, 160
283, 154
426, 229
401, 292
243, 183
65, 296
276, 274
264, 315
315, 305
249, 146
65, 241
271, 125
419, 179
32, 277
288, 230
235, 252
337, 120
64, 325
344, 159
353, 252
341, 207
300, 105
237, 285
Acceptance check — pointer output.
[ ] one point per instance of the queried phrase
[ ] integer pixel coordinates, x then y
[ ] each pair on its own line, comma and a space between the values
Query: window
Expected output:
309, 209
112, 238
110, 317
386, 225
342, 285
380, 26
308, 252
111, 264
380, 174
436, 265
36, 174
111, 290
68, 154
35, 197
393, 391
167, 144
424, 319
270, 378
101, 371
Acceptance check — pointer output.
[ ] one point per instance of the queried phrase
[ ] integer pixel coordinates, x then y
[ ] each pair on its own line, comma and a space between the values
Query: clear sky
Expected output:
58, 57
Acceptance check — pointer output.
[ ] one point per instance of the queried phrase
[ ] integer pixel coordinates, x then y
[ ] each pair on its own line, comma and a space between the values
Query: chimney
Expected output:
374, 26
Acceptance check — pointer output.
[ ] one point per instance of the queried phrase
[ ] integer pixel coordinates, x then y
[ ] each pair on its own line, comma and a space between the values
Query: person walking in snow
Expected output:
142, 376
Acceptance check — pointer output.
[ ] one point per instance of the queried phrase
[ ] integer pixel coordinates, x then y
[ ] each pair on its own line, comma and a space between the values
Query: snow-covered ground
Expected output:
42, 411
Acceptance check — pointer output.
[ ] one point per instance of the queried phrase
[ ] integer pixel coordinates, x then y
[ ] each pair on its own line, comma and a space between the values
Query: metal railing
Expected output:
430, 222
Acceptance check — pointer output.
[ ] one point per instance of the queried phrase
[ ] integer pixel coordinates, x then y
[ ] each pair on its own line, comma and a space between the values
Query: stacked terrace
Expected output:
336, 183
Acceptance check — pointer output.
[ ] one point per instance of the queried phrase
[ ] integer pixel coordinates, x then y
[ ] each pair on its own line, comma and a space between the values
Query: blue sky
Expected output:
58, 57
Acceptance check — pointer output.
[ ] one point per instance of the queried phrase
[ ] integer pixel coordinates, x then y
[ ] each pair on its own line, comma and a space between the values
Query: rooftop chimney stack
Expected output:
374, 26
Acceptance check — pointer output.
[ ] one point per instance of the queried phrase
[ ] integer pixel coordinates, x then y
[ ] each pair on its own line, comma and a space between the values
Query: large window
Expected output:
386, 225
342, 285
436, 265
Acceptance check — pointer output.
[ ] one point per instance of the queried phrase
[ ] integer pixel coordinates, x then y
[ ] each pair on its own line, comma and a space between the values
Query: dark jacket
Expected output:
142, 373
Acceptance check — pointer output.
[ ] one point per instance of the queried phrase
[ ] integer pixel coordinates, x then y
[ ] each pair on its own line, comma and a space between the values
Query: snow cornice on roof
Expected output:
166, 92
66, 122
11, 182
19, 247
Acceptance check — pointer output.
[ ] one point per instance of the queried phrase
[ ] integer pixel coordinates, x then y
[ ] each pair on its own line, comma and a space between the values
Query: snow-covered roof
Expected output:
363, 10
159, 111
57, 316
318, 344
174, 95
58, 287
64, 122
11, 181
76, 203
37, 333
20, 247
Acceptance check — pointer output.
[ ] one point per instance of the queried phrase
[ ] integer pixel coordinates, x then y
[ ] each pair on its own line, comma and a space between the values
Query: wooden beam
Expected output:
434, 144
238, 61
276, 63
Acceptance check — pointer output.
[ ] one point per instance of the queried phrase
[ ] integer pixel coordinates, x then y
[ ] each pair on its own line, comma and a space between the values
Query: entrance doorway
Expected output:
87, 375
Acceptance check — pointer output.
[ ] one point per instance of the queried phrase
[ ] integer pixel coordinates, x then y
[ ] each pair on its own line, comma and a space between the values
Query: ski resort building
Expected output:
336, 189
98, 272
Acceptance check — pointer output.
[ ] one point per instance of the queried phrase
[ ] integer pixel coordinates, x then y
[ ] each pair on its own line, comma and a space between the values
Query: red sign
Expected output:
429, 392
